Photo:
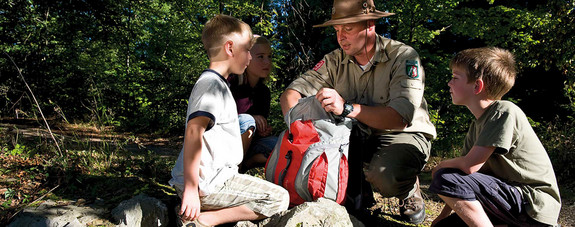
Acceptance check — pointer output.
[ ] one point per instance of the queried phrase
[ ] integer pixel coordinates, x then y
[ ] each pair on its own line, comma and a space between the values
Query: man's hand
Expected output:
330, 100
190, 208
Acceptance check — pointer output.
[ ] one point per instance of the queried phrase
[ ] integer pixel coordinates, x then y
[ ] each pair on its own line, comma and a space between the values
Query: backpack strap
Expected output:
284, 171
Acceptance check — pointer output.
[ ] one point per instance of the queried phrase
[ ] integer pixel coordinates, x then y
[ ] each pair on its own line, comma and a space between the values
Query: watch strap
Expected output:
347, 109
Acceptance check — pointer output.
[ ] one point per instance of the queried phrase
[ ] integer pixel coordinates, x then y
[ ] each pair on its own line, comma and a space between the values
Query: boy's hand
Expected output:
437, 167
190, 208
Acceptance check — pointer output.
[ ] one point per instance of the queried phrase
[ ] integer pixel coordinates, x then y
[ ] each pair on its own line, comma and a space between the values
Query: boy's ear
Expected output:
228, 47
479, 86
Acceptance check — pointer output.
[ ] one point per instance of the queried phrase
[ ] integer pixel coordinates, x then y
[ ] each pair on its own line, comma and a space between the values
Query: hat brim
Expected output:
355, 18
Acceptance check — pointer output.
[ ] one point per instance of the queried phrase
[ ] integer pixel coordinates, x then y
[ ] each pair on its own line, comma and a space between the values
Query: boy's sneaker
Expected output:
194, 223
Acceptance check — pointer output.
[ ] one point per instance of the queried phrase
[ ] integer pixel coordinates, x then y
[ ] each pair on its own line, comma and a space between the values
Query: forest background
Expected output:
129, 66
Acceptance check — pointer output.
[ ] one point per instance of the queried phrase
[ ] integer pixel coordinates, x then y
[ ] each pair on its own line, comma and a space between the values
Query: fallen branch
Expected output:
36, 200
37, 104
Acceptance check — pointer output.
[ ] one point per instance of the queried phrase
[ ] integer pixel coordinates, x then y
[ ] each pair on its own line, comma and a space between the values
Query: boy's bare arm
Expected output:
469, 163
190, 208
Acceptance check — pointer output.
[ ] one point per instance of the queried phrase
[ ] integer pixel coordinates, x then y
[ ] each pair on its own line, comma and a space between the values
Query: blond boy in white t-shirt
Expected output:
206, 173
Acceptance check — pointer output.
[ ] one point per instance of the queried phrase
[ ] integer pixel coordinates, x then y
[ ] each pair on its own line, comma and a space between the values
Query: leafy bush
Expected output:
556, 137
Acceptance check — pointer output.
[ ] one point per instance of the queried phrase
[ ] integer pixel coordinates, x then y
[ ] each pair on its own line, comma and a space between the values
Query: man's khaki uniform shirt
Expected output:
395, 79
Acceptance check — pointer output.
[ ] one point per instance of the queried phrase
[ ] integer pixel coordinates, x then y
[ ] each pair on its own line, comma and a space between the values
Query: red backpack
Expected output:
310, 159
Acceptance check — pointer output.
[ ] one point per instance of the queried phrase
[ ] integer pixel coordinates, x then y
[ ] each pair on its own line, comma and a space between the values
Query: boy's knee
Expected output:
443, 175
284, 202
446, 179
279, 199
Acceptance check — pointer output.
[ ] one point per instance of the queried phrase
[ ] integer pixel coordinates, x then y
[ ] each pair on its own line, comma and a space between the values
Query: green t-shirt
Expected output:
519, 158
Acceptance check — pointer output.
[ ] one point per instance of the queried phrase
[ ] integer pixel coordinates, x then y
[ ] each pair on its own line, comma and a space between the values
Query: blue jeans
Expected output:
246, 122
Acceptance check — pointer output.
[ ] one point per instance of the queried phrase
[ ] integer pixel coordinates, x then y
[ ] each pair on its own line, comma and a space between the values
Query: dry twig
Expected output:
37, 104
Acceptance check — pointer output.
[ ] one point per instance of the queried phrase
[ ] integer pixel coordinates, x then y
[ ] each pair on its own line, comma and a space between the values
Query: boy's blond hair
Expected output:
218, 30
495, 66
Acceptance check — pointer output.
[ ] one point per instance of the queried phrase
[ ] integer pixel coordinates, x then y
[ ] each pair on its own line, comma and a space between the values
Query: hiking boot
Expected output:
412, 209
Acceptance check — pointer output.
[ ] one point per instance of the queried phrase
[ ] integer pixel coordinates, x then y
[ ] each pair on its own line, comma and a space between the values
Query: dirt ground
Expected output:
386, 210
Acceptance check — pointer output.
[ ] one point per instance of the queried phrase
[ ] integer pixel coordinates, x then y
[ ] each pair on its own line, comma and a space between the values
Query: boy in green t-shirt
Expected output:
504, 175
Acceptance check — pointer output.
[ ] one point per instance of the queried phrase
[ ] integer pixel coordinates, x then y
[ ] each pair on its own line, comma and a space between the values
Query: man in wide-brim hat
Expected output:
379, 82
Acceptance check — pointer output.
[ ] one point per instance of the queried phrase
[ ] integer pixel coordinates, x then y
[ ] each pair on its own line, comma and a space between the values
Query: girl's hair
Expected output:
256, 40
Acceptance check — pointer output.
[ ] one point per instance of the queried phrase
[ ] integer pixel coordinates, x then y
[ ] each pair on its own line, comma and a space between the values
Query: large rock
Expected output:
51, 214
323, 212
141, 210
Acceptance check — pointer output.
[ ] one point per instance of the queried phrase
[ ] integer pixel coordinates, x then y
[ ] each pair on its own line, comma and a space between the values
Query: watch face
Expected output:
348, 107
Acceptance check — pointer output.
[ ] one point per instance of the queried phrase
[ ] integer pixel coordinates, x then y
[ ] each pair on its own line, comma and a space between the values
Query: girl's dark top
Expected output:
253, 101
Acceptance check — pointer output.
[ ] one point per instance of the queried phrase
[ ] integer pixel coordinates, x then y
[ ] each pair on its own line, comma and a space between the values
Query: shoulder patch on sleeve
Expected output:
318, 65
412, 69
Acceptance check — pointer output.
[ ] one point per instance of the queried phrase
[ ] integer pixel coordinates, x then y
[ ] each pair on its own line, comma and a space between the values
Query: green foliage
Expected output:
556, 137
10, 193
301, 46
18, 150
533, 31
122, 63
132, 64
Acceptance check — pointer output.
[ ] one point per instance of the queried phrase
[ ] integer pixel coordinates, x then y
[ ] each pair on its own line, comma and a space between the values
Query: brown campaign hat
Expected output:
351, 11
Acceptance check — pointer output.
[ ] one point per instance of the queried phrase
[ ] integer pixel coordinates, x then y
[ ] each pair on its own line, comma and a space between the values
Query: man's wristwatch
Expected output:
347, 109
